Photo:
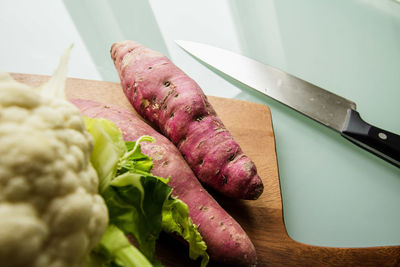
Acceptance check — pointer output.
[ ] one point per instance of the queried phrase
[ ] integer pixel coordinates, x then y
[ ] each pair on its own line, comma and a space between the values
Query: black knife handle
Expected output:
380, 142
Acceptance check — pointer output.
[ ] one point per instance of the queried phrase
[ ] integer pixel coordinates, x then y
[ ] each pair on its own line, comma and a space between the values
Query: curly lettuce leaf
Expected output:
139, 203
176, 220
136, 160
141, 213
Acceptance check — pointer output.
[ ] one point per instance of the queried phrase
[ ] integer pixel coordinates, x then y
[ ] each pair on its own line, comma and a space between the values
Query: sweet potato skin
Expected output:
165, 96
226, 240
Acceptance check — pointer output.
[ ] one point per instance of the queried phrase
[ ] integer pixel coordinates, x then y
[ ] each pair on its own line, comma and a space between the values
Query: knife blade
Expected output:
331, 110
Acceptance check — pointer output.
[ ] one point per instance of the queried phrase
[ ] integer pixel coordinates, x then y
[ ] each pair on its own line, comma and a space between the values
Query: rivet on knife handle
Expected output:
380, 142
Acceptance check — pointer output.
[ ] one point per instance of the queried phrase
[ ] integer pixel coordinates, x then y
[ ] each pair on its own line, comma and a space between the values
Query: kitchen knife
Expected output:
321, 105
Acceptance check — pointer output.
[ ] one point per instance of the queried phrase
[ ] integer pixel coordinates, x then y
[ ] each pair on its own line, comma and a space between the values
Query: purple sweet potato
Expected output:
226, 240
173, 102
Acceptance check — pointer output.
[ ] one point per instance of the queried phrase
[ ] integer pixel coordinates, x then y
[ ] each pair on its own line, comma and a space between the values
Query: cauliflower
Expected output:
50, 211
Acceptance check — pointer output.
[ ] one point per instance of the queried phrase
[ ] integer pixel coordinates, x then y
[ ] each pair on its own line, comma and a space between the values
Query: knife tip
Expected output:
180, 42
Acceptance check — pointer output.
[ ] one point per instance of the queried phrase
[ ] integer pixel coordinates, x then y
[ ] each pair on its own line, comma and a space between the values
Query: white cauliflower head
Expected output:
50, 211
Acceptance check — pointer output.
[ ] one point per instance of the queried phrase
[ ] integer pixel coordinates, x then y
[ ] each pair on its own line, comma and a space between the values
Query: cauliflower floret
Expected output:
50, 211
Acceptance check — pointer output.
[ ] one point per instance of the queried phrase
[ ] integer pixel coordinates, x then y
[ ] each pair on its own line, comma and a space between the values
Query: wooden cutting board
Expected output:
262, 219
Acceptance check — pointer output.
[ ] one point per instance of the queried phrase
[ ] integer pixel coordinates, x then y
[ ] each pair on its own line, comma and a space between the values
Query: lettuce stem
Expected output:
116, 247
135, 148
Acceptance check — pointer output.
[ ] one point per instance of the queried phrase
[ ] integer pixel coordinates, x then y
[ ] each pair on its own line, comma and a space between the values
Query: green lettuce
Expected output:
139, 203
176, 220
115, 249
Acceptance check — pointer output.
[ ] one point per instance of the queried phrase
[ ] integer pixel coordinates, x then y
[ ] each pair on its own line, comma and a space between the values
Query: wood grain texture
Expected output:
262, 219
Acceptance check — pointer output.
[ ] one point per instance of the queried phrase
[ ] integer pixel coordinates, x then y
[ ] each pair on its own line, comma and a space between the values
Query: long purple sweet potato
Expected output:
173, 102
226, 240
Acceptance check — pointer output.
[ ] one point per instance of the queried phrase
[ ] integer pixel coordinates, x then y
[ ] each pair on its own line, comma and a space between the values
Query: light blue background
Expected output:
334, 193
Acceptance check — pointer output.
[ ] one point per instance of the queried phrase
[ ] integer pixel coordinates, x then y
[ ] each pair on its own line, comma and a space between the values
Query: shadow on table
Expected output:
101, 23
